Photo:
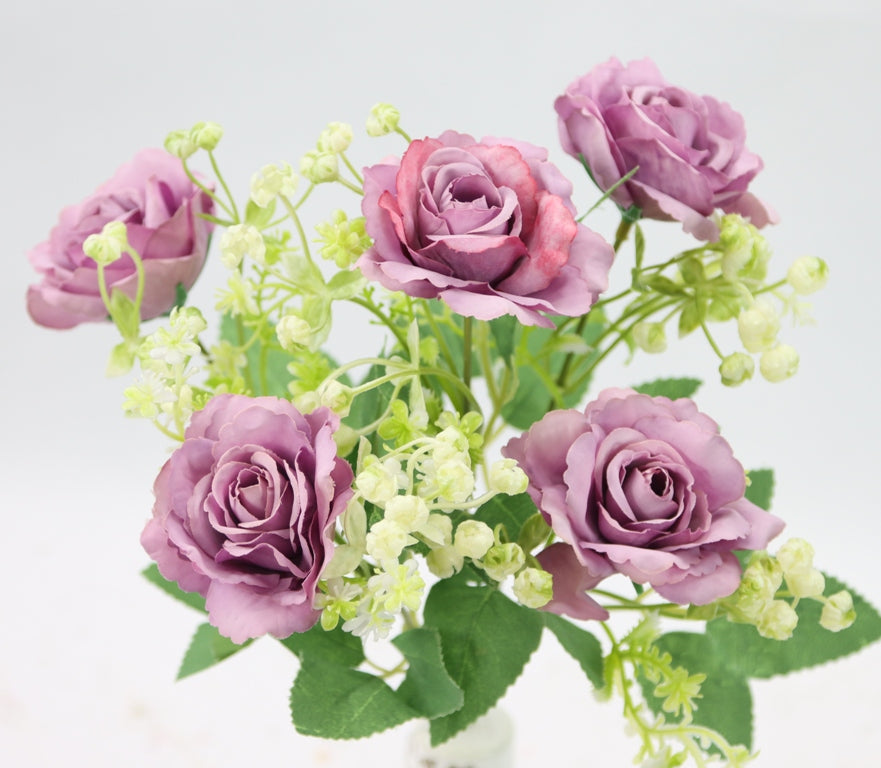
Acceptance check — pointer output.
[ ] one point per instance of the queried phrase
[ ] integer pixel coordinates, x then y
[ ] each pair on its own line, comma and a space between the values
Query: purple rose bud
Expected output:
690, 149
486, 226
160, 207
245, 512
643, 486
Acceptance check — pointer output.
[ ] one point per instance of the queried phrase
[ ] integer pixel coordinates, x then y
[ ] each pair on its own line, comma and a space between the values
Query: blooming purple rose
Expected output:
245, 513
643, 486
488, 227
690, 149
160, 207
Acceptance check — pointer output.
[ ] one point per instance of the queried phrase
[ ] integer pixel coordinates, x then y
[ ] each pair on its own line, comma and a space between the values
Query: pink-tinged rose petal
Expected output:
648, 487
690, 150
245, 512
162, 210
572, 580
487, 227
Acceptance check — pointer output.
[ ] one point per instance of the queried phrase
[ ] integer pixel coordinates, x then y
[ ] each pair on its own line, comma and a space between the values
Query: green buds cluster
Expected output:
383, 119
184, 143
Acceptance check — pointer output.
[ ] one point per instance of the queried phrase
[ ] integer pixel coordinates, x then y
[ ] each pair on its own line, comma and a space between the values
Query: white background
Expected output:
88, 650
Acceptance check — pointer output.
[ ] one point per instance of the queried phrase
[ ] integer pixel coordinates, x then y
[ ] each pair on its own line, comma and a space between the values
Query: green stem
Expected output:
466, 341
232, 202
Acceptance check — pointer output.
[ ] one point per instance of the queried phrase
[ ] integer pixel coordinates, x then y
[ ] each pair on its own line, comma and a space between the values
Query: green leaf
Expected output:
335, 702
751, 655
672, 388
427, 688
638, 246
192, 599
486, 640
510, 511
334, 646
207, 648
345, 284
580, 644
125, 314
257, 216
277, 377
122, 358
726, 702
693, 314
504, 331
761, 487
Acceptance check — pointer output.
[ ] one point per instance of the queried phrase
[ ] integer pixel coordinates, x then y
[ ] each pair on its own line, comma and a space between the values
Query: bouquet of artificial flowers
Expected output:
462, 489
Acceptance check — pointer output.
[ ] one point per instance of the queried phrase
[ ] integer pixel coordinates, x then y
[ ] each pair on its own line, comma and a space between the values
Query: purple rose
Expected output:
160, 207
245, 512
689, 149
488, 227
643, 486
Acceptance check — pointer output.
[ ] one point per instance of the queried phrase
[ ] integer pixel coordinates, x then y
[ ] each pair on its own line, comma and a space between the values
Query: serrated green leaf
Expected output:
486, 640
510, 511
207, 648
335, 646
751, 655
335, 702
726, 702
672, 388
192, 599
761, 487
580, 644
427, 688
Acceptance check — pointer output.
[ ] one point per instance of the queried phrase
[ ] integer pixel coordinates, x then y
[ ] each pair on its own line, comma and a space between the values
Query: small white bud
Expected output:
383, 119
650, 337
271, 181
533, 587
778, 363
778, 621
736, 368
180, 144
473, 538
506, 476
503, 560
293, 331
241, 240
206, 135
758, 326
319, 167
407, 511
838, 612
108, 245
807, 274
445, 561
387, 540
335, 138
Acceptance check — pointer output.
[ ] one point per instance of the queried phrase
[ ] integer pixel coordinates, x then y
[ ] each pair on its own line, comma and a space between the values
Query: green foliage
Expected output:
427, 688
672, 388
580, 644
486, 640
544, 357
761, 487
731, 654
510, 511
334, 646
192, 599
266, 370
207, 648
333, 701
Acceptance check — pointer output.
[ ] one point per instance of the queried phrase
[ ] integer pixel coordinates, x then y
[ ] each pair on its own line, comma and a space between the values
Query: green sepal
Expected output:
534, 531
122, 358
207, 648
505, 331
192, 599
259, 217
632, 214
580, 644
124, 314
674, 388
693, 313
427, 688
486, 641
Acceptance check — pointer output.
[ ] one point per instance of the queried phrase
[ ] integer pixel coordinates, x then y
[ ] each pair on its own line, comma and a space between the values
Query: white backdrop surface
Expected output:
88, 650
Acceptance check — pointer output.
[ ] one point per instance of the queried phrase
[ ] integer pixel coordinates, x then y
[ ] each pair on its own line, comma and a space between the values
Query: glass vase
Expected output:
487, 743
